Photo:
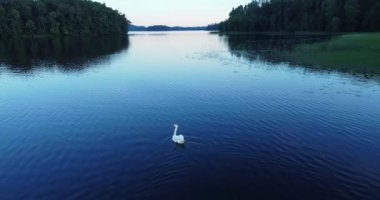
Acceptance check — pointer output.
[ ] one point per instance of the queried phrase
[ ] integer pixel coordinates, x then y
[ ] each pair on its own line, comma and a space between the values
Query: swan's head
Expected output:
175, 125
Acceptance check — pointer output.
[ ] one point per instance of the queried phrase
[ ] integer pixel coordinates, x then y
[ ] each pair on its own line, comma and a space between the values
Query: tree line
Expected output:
165, 28
59, 17
304, 15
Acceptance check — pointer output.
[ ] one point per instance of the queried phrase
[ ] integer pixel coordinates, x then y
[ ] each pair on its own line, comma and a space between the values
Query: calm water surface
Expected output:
92, 119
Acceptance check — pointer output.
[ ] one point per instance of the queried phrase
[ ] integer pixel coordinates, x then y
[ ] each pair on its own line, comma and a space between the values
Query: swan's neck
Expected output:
175, 130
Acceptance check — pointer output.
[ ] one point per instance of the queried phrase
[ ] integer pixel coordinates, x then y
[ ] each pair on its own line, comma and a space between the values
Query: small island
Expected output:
64, 17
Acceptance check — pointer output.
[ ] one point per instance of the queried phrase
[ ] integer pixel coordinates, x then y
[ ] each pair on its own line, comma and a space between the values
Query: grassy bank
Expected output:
358, 52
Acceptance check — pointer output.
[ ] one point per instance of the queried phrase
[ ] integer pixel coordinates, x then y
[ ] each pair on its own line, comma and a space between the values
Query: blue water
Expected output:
90, 124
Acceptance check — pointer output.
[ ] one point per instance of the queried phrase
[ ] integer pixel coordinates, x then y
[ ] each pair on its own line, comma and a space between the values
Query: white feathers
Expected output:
178, 139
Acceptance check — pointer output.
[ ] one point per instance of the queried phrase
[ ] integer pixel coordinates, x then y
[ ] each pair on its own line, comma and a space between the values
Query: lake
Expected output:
92, 118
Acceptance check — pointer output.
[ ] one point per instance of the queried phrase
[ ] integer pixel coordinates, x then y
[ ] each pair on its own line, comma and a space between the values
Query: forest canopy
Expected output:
304, 15
59, 17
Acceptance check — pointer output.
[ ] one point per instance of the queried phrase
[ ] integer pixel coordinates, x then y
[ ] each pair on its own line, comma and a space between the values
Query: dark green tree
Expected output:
352, 11
60, 17
304, 15
14, 21
30, 26
336, 24
372, 21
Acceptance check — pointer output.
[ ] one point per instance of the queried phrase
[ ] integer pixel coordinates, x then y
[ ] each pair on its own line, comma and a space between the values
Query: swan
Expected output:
178, 139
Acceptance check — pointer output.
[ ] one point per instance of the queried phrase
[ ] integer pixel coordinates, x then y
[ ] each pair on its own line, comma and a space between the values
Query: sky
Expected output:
174, 12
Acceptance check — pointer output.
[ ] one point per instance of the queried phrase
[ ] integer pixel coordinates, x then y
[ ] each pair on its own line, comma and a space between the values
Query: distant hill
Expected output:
136, 28
168, 28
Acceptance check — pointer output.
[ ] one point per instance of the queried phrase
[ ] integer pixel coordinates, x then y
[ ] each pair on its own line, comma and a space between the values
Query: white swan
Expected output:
179, 139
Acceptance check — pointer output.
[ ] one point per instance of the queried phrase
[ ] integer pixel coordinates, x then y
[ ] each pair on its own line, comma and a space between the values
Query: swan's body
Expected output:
179, 139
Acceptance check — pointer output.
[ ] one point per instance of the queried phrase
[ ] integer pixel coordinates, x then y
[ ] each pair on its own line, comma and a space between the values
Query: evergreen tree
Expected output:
305, 15
59, 17
352, 11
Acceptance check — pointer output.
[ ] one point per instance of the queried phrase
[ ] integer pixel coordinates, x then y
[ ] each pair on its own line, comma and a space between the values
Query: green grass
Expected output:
351, 52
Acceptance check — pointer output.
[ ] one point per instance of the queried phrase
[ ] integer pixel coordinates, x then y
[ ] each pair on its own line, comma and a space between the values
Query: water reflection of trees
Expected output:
267, 45
25, 55
271, 48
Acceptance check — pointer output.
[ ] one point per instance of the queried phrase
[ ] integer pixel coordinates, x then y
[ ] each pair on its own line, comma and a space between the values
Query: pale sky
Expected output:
174, 12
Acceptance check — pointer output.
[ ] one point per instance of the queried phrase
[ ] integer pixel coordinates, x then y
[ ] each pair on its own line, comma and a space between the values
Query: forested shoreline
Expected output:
59, 17
165, 28
304, 15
